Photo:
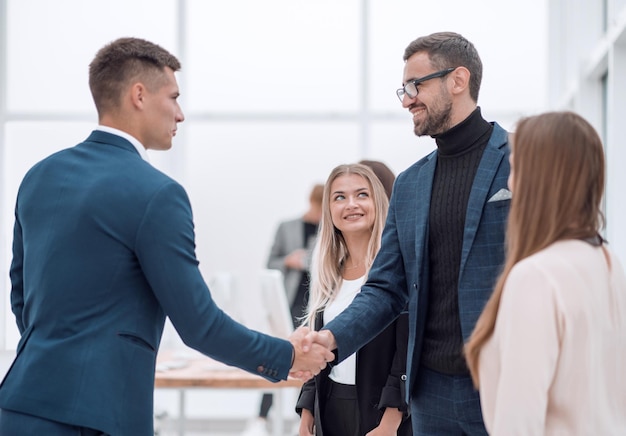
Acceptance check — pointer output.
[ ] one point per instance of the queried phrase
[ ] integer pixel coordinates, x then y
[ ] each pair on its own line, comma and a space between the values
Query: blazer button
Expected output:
403, 377
260, 369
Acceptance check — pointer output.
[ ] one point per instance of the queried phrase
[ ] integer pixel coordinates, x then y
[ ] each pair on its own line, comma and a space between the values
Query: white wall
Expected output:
588, 73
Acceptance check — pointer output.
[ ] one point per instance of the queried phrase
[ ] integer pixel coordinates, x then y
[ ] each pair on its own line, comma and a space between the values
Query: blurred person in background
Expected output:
291, 252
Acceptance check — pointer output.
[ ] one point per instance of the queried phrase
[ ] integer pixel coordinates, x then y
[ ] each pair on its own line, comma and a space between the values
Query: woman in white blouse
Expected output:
365, 393
549, 350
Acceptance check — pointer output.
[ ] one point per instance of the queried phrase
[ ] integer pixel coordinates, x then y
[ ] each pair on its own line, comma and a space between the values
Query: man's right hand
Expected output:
295, 259
310, 357
322, 337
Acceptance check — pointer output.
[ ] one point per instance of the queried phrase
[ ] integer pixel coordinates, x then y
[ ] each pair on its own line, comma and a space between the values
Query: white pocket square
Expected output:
502, 194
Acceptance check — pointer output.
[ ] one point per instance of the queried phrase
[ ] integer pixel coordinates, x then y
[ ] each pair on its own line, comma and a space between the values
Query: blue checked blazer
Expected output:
400, 271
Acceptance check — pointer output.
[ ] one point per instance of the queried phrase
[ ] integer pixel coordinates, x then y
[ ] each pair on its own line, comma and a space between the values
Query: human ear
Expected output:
137, 94
460, 80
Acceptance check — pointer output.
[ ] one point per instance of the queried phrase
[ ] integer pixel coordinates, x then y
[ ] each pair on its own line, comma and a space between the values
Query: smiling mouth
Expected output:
418, 111
353, 216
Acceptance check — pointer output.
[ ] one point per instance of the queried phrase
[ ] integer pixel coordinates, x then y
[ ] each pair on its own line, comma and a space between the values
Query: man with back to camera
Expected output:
443, 243
103, 250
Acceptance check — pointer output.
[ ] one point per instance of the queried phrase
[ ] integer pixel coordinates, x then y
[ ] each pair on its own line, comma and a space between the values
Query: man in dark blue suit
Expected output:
443, 243
103, 251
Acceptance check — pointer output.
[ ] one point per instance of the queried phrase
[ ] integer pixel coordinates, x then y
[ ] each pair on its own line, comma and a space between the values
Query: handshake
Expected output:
312, 350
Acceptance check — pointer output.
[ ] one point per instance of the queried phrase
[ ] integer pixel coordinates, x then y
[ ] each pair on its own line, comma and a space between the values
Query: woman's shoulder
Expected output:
558, 253
558, 268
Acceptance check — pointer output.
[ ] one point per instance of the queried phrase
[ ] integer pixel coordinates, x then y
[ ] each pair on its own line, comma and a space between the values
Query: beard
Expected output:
437, 118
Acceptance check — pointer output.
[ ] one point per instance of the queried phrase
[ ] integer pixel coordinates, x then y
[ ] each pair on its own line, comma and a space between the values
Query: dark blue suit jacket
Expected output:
103, 250
400, 270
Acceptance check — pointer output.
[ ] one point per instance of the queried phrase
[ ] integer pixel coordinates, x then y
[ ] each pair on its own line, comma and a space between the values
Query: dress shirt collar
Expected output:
140, 148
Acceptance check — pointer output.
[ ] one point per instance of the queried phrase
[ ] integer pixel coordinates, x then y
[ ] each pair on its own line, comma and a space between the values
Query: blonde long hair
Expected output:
558, 184
330, 252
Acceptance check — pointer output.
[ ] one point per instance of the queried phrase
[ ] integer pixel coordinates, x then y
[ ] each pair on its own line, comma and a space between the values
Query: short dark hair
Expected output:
449, 49
122, 61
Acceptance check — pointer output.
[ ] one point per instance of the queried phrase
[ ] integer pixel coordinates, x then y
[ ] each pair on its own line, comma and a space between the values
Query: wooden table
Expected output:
184, 370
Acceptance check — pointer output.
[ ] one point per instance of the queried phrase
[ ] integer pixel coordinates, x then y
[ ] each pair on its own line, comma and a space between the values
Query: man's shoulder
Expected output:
291, 223
499, 138
412, 172
44, 164
104, 161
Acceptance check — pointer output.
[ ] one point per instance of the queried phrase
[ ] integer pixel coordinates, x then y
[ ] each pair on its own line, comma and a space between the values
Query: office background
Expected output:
278, 92
275, 94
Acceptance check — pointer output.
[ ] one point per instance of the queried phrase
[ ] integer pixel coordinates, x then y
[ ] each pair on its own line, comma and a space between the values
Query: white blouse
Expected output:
556, 363
345, 372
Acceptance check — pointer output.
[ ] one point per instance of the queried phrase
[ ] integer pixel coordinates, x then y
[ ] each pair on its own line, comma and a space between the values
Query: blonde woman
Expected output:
549, 351
364, 394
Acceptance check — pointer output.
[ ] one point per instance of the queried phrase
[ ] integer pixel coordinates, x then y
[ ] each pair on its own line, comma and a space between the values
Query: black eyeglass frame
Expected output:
400, 92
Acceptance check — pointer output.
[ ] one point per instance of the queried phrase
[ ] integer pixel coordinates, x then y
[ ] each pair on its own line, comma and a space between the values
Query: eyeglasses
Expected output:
410, 88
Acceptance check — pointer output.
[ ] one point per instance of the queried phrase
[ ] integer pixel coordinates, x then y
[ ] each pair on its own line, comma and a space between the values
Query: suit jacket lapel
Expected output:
423, 191
424, 185
483, 180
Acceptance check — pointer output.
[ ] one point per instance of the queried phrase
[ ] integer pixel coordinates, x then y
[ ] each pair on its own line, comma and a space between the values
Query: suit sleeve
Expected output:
16, 274
165, 248
306, 399
276, 259
393, 393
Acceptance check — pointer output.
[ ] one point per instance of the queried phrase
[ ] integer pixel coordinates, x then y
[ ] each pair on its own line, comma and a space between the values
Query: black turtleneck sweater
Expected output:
459, 151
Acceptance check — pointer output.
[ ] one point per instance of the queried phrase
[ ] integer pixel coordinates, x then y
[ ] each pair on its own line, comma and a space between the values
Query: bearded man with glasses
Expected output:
443, 243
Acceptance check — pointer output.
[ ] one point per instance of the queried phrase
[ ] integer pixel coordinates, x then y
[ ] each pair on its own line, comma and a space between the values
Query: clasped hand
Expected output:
312, 352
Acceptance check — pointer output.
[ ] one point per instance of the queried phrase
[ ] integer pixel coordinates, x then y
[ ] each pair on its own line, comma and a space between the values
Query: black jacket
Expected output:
380, 379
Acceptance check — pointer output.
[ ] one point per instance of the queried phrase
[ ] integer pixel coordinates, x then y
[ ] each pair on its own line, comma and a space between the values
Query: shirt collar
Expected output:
140, 148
